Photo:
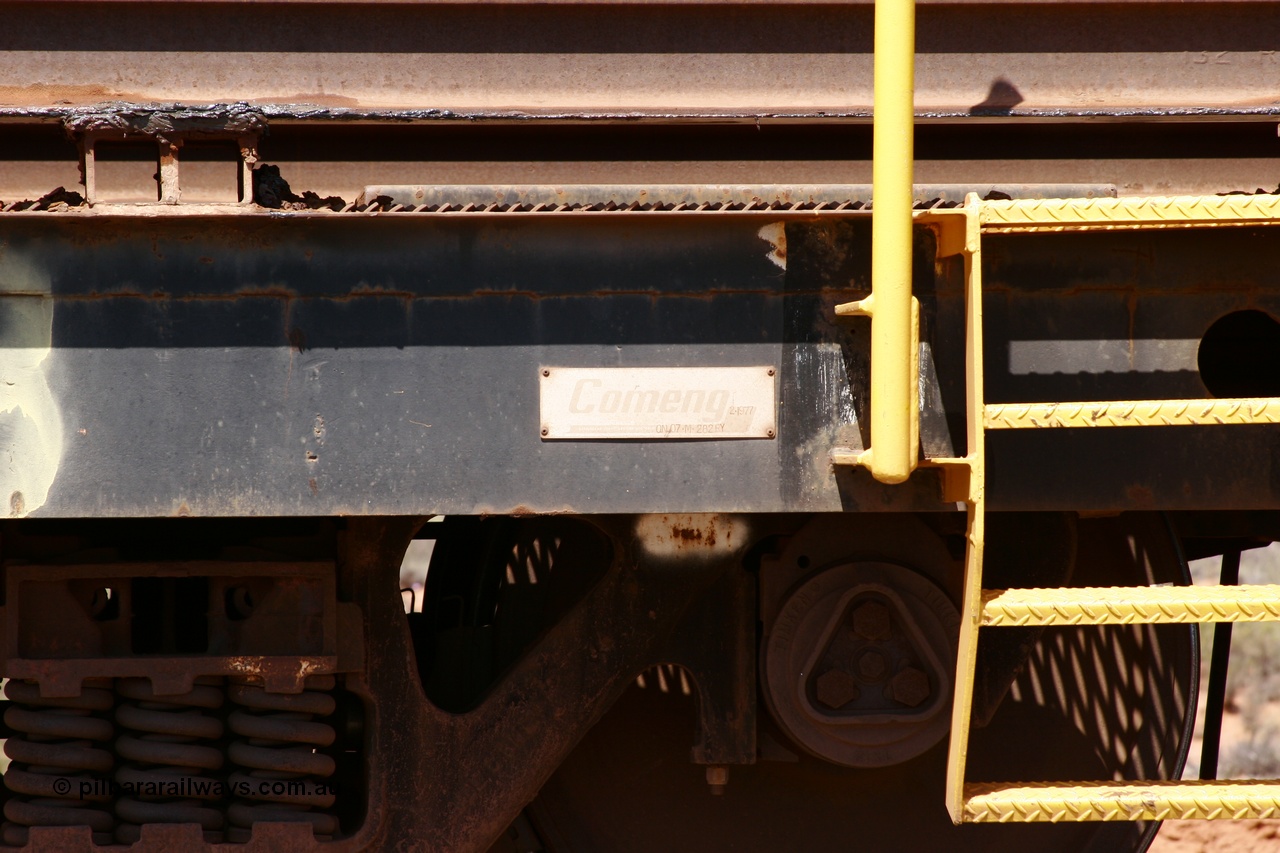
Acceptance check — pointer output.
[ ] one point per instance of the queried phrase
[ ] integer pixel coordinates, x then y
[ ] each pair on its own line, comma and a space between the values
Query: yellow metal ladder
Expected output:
893, 453
981, 608
960, 232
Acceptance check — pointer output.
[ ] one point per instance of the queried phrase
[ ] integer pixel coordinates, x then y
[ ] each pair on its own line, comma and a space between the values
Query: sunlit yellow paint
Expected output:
975, 498
1131, 605
892, 455
1069, 802
1118, 413
1077, 214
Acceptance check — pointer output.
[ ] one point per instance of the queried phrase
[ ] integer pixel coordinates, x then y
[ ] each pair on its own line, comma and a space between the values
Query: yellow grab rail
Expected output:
895, 410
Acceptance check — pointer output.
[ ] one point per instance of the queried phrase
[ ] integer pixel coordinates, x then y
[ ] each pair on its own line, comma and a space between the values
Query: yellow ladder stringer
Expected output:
959, 232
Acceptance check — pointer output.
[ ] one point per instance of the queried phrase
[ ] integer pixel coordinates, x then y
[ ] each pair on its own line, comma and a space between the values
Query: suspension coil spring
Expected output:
172, 749
281, 776
57, 769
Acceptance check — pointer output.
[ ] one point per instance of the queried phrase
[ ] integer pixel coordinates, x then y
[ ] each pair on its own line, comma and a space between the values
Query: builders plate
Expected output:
652, 403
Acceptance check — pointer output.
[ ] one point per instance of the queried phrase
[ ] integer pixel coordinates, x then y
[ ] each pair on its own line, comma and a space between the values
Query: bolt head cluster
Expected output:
872, 663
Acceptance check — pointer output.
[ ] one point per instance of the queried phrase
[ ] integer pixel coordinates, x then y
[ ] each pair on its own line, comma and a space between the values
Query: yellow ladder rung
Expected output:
1063, 802
1130, 605
1085, 214
1122, 413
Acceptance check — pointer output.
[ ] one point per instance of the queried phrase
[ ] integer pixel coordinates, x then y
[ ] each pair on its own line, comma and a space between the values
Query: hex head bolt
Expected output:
835, 688
910, 687
871, 621
872, 665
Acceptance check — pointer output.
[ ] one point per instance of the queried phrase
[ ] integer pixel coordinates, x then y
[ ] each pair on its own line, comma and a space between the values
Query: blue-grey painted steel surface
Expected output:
322, 364
254, 365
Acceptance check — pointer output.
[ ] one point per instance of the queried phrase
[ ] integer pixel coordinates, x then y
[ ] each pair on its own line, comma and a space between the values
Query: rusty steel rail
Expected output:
641, 2
662, 62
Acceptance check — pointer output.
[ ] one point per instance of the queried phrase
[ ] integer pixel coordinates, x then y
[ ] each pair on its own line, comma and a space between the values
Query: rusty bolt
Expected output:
717, 778
872, 665
835, 688
546, 372
910, 687
871, 621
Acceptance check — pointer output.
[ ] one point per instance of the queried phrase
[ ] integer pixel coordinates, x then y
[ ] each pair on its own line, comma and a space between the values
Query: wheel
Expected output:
1089, 703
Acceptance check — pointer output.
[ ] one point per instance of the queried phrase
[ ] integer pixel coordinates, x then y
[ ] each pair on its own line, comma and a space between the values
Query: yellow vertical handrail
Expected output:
895, 408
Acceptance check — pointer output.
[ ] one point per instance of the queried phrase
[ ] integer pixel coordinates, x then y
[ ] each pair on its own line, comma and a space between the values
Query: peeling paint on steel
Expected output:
30, 420
691, 535
824, 364
164, 121
775, 234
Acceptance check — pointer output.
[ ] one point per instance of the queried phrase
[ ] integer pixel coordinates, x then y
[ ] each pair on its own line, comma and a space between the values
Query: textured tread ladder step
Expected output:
1057, 802
1082, 214
1130, 605
1118, 413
